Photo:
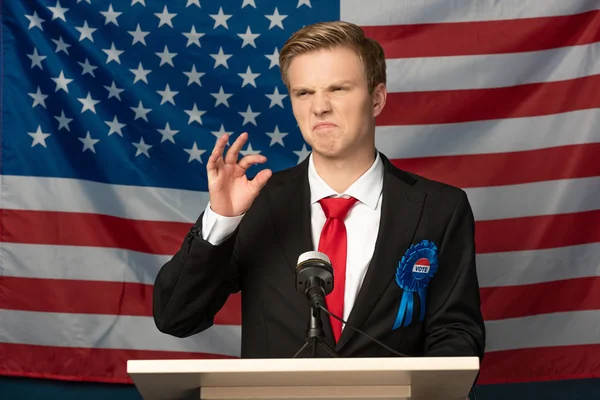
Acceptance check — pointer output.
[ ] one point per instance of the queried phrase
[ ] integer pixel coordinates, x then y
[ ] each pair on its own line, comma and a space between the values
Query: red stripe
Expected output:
82, 229
80, 364
541, 298
541, 364
451, 106
486, 37
495, 169
539, 232
75, 296
109, 365
511, 234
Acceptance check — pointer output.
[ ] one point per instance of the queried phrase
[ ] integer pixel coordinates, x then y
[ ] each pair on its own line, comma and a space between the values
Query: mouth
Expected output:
324, 125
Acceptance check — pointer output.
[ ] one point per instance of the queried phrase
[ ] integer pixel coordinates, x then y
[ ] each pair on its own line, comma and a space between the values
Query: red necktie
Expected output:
334, 242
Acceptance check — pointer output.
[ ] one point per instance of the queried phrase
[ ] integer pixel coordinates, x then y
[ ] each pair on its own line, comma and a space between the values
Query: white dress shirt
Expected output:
362, 223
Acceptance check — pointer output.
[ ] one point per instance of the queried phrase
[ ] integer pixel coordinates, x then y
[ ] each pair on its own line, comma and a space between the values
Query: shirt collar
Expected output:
366, 189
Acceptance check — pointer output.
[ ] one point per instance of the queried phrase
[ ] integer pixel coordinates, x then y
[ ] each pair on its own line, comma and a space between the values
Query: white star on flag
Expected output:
302, 153
249, 77
167, 133
62, 82
276, 98
138, 35
249, 116
63, 121
276, 136
194, 76
36, 59
140, 73
195, 115
38, 98
167, 95
193, 37
221, 97
165, 17
58, 12
220, 19
221, 58
276, 19
195, 153
110, 16
87, 68
88, 143
142, 148
86, 32
115, 126
114, 91
39, 137
248, 37
141, 112
113, 54
35, 21
88, 103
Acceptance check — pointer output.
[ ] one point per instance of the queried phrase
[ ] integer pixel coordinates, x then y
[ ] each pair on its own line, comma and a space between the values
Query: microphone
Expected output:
314, 279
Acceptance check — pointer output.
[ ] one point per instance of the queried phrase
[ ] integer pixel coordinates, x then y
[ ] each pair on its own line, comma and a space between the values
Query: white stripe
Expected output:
534, 199
73, 195
114, 265
398, 12
139, 333
537, 266
545, 330
80, 263
108, 264
488, 203
492, 70
111, 332
495, 136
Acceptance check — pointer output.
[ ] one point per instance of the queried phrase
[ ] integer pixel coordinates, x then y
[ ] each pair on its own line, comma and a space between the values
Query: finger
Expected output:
217, 152
233, 152
247, 161
260, 180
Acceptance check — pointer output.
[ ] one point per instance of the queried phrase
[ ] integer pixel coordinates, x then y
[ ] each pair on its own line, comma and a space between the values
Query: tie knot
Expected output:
337, 207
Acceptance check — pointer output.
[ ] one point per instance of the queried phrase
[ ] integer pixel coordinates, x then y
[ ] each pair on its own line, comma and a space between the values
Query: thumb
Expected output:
259, 181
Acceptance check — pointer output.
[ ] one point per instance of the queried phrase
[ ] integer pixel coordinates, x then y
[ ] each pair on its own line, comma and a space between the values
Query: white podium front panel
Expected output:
444, 378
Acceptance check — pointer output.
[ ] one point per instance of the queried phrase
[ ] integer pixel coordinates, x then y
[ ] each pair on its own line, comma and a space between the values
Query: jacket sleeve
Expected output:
195, 283
454, 323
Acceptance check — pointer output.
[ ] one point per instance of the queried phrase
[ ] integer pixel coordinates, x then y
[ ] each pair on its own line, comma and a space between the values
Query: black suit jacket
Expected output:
260, 259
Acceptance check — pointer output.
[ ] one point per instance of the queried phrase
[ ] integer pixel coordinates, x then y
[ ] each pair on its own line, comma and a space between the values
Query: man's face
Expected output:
332, 104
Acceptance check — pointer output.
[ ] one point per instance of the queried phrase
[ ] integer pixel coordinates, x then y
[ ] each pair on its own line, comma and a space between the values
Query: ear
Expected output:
379, 98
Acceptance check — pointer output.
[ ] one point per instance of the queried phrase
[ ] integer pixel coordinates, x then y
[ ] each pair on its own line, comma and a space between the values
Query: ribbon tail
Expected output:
409, 311
401, 310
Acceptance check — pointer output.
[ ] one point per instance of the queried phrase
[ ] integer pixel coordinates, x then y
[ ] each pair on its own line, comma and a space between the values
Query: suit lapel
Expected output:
400, 214
291, 216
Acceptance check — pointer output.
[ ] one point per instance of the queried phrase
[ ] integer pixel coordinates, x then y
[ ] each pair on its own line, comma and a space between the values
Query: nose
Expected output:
320, 104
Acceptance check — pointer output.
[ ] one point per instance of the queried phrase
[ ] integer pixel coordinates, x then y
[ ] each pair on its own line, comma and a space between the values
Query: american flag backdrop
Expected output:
111, 108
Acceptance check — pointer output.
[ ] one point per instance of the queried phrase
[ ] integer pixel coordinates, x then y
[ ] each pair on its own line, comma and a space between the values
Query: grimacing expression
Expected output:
332, 104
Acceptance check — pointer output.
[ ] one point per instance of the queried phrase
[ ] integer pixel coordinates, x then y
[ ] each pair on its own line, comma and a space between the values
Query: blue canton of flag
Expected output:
136, 93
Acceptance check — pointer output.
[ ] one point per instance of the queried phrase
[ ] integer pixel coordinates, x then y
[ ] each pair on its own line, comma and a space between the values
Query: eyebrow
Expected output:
338, 83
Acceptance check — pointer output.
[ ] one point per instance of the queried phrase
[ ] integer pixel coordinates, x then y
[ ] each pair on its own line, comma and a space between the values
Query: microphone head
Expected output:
314, 268
313, 256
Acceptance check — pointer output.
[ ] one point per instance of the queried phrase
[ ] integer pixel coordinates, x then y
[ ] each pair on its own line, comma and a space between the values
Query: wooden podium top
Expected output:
304, 378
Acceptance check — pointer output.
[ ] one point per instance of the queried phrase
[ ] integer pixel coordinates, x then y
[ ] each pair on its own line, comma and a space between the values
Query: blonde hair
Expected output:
328, 35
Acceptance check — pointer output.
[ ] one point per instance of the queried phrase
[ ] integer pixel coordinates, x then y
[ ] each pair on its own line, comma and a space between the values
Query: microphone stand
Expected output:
315, 334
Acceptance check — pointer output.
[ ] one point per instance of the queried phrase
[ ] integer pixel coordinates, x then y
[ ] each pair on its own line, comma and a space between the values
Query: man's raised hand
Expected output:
231, 192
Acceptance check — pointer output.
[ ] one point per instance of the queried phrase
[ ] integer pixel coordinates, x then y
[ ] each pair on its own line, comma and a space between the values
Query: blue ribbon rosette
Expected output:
415, 270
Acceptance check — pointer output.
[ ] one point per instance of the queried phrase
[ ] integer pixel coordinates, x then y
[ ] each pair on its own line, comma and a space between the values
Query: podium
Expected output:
421, 378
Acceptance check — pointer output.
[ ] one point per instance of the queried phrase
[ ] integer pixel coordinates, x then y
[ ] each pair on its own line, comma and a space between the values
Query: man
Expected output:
401, 246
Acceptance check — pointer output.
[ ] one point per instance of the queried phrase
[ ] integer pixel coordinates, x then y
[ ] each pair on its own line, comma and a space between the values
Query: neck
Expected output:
340, 174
